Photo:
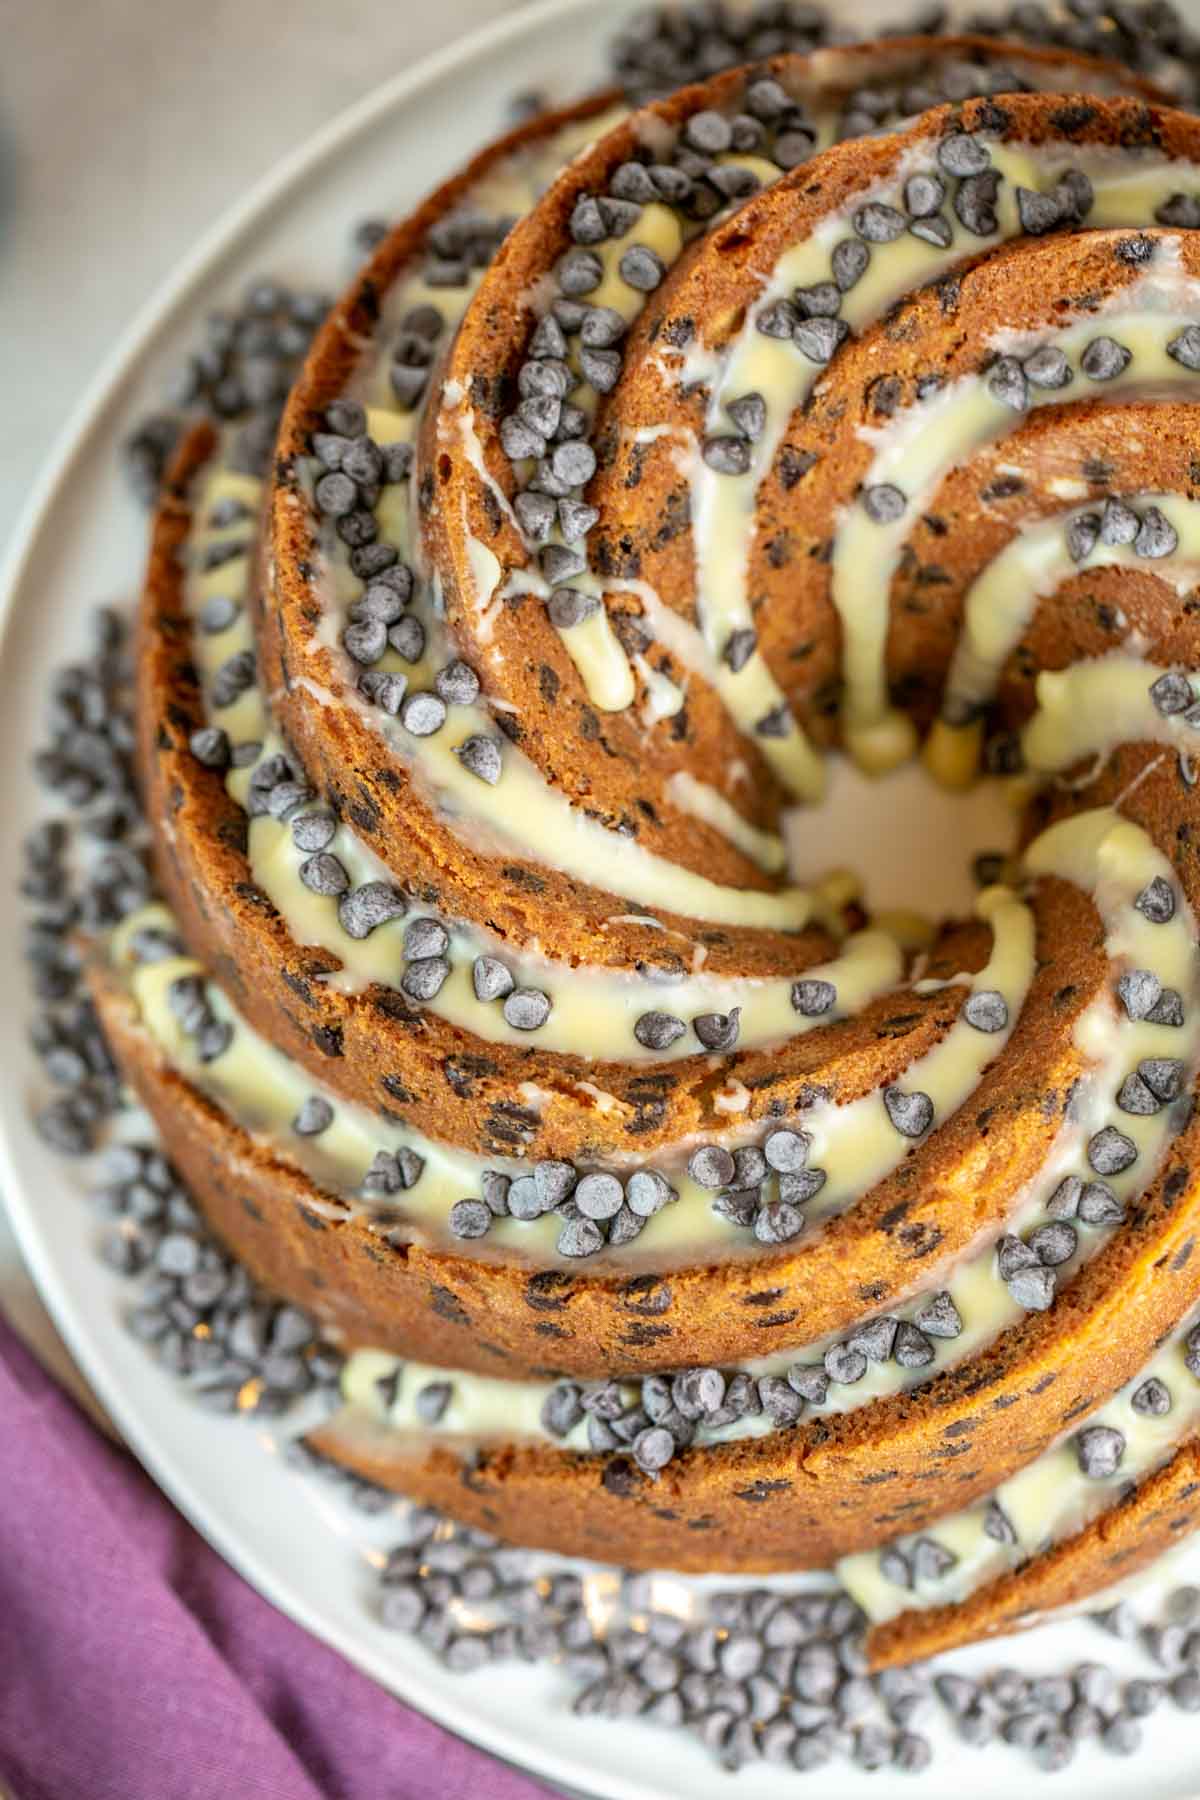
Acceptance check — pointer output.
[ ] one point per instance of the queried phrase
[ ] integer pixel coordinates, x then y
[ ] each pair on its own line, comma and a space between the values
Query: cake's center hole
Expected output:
912, 843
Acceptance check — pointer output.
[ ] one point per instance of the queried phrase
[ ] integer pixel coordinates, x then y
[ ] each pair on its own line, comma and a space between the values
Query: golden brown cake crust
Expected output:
797, 1498
715, 279
380, 1049
839, 1482
1159, 1513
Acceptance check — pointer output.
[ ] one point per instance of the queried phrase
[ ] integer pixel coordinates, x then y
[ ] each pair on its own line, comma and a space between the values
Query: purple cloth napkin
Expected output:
136, 1665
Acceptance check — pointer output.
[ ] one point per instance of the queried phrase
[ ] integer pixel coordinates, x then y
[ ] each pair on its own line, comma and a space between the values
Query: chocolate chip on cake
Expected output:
883, 504
1185, 348
527, 1009
727, 455
911, 1114
1172, 693
711, 1166
940, 1318
813, 997
1008, 384
490, 979
962, 154
325, 875
314, 1117
363, 910
423, 714
481, 755
986, 1010
1104, 359
1156, 902
1099, 1449
717, 1031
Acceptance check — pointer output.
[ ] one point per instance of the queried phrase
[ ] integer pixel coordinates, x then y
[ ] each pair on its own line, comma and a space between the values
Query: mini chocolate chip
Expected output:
490, 979
711, 1166
1083, 534
580, 1237
911, 1114
324, 874
1048, 367
1054, 1243
961, 154
1110, 1151
481, 755
849, 262
879, 224
913, 1349
844, 1365
1156, 902
940, 1317
1008, 385
1033, 1288
369, 906
1185, 349
1156, 535
1172, 693
800, 1187
457, 684
727, 455
1152, 1399
210, 746
986, 1010
749, 414
470, 1219
1139, 991
425, 978
975, 203
647, 1192
1099, 1449
819, 339
924, 194
931, 1560
658, 1030
1104, 359
787, 1151
717, 1031
1098, 1205
884, 503
1064, 1201
642, 268
423, 714
599, 1196
527, 1009
314, 1117
778, 1222
812, 998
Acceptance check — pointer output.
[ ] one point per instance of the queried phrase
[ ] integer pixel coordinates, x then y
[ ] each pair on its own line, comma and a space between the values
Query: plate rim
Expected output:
163, 312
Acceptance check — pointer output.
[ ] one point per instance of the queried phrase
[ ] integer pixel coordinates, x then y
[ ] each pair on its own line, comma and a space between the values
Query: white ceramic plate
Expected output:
82, 542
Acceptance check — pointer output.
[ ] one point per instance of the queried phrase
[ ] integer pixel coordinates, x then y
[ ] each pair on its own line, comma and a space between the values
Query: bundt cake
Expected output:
671, 1203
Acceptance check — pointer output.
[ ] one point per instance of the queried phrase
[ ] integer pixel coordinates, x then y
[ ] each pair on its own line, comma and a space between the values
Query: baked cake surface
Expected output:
668, 1207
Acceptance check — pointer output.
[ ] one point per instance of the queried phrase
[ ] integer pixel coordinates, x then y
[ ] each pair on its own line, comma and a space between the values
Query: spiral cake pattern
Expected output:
672, 1211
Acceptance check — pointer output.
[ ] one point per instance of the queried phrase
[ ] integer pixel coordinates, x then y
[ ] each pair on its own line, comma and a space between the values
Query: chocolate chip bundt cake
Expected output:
670, 1208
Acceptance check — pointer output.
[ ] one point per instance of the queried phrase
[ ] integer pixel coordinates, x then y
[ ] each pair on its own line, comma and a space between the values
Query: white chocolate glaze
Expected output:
708, 803
263, 1090
594, 1010
1047, 1501
1000, 604
724, 507
914, 453
1092, 707
1112, 860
